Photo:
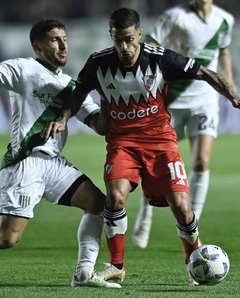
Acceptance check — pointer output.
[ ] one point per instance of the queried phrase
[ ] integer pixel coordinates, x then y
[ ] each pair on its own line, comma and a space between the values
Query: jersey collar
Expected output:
46, 65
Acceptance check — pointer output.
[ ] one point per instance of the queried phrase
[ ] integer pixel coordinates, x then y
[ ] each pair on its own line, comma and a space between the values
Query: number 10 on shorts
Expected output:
177, 170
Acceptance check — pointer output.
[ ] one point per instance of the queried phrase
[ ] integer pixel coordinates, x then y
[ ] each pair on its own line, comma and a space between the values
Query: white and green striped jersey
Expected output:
36, 96
184, 31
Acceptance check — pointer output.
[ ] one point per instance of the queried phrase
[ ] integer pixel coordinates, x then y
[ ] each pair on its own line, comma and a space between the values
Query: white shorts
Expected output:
38, 176
195, 121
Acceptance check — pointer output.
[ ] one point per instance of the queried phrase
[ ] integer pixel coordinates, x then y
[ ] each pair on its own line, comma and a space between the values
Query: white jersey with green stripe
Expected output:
36, 96
181, 29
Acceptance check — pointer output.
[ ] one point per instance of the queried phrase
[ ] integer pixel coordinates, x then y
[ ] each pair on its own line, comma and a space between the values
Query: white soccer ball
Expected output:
208, 265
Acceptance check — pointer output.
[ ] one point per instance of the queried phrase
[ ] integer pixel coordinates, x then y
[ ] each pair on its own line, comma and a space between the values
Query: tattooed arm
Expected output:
219, 84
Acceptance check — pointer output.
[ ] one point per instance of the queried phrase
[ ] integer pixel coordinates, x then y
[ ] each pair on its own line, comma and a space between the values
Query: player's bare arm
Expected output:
225, 63
219, 84
99, 122
70, 109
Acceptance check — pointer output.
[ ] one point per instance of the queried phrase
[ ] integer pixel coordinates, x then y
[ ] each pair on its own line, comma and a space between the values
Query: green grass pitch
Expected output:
43, 262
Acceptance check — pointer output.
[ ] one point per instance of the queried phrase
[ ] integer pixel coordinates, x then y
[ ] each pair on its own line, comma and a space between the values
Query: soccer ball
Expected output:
208, 265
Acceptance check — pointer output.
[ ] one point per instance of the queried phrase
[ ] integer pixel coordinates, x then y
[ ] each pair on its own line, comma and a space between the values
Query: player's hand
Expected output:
53, 128
236, 103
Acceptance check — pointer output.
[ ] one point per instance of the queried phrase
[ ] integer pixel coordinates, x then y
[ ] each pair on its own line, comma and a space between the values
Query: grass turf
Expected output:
42, 264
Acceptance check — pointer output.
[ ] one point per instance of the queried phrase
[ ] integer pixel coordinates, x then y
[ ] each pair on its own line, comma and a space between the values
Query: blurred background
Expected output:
87, 29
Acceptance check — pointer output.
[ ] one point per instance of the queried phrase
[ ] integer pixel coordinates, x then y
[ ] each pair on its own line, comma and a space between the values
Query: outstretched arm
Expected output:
219, 84
70, 108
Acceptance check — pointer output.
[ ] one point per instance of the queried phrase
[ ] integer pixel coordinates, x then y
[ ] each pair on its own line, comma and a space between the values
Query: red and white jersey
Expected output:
135, 95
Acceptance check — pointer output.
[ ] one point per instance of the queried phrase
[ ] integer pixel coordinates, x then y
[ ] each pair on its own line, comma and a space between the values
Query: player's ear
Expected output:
36, 47
140, 33
110, 32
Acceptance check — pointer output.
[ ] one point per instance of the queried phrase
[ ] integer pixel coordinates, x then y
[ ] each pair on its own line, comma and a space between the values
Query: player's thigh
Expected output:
178, 121
122, 173
67, 185
61, 177
164, 172
180, 205
88, 197
201, 150
123, 163
203, 121
11, 229
22, 186
117, 192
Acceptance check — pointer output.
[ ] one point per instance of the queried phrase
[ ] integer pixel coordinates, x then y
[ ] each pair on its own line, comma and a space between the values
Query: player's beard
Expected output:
60, 61
129, 57
56, 61
126, 56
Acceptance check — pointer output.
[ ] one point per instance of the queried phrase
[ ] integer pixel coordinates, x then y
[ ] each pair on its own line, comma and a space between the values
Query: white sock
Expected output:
89, 239
145, 208
145, 213
198, 188
116, 222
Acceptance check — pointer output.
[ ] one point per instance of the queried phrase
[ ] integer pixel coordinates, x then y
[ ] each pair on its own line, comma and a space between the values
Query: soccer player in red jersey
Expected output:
132, 79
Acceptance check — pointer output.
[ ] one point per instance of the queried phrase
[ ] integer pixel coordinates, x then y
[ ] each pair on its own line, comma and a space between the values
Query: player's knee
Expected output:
9, 239
116, 200
7, 242
201, 164
181, 208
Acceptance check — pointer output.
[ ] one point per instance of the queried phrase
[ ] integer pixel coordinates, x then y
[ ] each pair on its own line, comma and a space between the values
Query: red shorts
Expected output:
161, 171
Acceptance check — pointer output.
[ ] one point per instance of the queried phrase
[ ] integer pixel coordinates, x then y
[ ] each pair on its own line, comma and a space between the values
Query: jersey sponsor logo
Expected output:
49, 99
190, 64
37, 76
149, 82
133, 114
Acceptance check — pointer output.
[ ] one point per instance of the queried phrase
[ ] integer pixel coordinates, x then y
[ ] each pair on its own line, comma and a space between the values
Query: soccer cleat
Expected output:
93, 281
142, 228
110, 272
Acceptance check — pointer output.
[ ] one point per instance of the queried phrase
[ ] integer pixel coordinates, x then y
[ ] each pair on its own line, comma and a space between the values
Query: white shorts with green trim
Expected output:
39, 176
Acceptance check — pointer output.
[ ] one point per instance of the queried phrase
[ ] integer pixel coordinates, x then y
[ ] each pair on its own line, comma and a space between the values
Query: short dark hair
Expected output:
43, 26
124, 18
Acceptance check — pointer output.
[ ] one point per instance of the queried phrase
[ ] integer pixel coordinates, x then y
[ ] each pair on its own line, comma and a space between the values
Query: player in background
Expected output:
202, 31
132, 78
32, 167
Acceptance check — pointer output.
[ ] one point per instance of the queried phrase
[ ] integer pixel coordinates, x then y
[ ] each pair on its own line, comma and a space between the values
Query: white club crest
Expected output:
149, 82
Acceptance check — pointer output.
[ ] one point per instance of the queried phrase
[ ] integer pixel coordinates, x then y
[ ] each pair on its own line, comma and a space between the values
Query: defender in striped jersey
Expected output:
32, 168
132, 79
202, 31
